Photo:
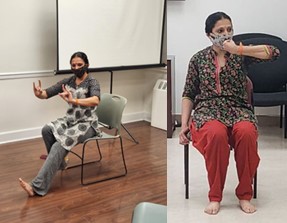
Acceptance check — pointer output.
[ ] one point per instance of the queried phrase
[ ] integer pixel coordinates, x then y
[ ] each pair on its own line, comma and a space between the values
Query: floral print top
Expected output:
220, 93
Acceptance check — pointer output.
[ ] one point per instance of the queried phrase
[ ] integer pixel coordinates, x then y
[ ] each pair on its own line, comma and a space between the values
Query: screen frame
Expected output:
161, 63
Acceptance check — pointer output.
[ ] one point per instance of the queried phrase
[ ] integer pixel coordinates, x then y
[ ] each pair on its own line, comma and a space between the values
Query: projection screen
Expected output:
115, 34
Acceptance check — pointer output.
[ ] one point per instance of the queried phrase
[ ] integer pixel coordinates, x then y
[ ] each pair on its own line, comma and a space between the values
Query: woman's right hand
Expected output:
38, 89
183, 138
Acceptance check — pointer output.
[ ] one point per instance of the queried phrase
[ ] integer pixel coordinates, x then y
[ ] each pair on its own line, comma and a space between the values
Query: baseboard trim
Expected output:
135, 117
32, 133
19, 135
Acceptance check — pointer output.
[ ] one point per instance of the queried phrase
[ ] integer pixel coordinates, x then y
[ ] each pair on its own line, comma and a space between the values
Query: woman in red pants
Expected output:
215, 89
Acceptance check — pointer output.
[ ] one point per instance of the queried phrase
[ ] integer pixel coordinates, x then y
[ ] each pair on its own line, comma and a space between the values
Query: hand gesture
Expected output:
66, 95
37, 89
230, 46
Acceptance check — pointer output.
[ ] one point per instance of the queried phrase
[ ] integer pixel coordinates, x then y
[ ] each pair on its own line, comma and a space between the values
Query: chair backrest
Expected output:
110, 110
244, 36
268, 76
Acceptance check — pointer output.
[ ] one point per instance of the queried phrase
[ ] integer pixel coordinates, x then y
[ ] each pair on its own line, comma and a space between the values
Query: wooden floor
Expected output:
68, 201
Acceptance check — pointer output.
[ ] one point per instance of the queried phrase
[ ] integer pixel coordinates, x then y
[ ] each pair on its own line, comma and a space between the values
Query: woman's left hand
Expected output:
230, 46
66, 95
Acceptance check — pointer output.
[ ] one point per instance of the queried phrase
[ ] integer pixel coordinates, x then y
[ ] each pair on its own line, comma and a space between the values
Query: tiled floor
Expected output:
272, 184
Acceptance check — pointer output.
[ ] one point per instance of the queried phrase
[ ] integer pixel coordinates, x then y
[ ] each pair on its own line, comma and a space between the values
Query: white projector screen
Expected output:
115, 34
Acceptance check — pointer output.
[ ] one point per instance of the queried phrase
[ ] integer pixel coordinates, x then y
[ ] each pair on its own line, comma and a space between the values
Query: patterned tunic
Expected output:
220, 94
69, 130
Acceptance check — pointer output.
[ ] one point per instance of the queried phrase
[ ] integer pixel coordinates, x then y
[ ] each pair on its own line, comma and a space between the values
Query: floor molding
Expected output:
32, 133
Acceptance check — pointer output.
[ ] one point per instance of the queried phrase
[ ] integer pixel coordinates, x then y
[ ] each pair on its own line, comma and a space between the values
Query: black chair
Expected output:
244, 36
186, 175
269, 78
249, 90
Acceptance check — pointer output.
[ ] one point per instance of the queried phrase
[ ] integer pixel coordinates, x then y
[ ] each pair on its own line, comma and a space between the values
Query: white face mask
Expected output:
218, 40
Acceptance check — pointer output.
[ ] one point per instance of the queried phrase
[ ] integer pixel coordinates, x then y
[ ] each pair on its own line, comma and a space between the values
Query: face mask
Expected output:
79, 73
218, 40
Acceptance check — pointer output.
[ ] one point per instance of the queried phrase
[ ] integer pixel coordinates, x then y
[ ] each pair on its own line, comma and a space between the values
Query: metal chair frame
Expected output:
115, 123
186, 175
249, 89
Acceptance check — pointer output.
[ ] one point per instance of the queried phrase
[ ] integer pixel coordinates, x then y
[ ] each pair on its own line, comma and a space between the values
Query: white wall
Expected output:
186, 35
28, 44
23, 115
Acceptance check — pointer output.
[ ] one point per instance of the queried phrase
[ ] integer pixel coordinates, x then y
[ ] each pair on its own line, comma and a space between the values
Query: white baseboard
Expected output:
32, 133
135, 117
19, 135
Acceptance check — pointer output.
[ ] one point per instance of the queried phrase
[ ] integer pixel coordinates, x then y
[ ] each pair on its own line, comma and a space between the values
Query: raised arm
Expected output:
38, 91
263, 52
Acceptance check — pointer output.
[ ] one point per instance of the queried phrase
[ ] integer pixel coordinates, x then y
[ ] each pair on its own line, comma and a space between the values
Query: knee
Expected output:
245, 129
216, 131
46, 130
211, 138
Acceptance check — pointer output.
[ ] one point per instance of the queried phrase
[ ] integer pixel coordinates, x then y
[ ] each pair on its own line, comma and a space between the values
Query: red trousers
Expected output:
213, 140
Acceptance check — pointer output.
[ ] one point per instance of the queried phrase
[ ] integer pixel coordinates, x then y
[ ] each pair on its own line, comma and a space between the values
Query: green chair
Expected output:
109, 113
146, 212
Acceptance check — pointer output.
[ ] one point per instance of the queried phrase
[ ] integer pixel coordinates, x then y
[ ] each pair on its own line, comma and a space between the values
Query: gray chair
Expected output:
109, 113
146, 212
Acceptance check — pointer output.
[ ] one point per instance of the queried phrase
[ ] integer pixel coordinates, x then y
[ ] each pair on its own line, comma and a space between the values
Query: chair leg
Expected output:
105, 179
186, 170
81, 157
285, 122
255, 186
123, 155
281, 116
130, 134
186, 174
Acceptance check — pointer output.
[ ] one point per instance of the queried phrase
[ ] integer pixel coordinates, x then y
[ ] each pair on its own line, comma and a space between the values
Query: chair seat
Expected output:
103, 136
146, 212
269, 99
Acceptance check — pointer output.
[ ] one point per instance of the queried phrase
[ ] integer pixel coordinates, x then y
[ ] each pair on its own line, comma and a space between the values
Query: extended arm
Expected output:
87, 102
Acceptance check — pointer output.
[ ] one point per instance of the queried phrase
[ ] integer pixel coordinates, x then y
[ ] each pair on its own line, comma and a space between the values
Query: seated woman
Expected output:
215, 88
82, 93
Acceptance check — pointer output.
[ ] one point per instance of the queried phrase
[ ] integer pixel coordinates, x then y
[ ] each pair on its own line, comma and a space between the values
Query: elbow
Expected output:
278, 53
96, 101
274, 52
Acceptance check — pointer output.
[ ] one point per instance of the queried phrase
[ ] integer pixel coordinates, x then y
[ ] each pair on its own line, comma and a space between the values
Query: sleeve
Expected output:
94, 88
191, 87
56, 88
272, 51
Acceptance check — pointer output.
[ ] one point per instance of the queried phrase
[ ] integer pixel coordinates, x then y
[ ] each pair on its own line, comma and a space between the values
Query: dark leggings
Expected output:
54, 161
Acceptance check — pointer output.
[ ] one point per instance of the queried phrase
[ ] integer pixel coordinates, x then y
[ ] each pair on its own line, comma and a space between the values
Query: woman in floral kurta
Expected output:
216, 89
82, 93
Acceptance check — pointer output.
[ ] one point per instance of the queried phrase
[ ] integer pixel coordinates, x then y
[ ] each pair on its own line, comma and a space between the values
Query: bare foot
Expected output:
212, 208
27, 187
247, 207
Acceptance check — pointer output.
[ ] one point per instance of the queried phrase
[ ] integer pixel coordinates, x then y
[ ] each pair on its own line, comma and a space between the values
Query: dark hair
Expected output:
82, 55
212, 19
